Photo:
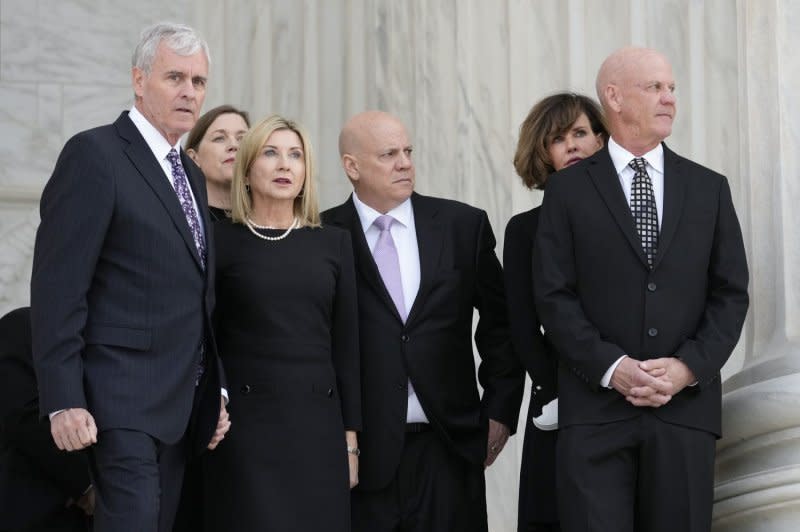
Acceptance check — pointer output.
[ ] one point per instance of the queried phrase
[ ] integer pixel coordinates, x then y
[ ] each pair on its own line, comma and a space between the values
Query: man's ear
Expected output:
350, 165
613, 96
138, 78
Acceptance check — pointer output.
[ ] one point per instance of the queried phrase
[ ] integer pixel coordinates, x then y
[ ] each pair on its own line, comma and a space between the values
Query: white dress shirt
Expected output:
654, 160
161, 148
404, 234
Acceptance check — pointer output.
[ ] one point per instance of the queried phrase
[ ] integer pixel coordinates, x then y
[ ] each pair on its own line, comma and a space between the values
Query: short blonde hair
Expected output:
306, 206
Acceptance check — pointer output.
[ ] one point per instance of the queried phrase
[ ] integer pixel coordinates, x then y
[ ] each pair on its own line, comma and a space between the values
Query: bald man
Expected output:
641, 281
423, 264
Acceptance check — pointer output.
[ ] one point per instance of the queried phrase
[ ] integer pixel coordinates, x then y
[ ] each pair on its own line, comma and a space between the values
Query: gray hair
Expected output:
180, 38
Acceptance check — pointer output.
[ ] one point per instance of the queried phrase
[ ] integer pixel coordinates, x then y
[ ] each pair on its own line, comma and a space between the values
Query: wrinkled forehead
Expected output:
384, 134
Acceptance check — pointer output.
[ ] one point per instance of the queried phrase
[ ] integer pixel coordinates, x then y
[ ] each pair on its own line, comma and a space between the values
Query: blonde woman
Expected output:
286, 328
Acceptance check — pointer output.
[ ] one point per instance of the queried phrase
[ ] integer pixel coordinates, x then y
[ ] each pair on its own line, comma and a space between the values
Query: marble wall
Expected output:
462, 74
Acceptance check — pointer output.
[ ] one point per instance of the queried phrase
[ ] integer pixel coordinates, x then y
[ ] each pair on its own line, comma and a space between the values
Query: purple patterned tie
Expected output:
385, 255
181, 185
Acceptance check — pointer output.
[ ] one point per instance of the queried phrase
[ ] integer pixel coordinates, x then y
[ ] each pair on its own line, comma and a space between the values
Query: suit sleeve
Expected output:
345, 348
76, 209
500, 373
726, 307
576, 340
526, 334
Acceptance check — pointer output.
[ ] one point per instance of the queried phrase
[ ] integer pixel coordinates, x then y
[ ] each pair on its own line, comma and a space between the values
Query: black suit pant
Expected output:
637, 475
434, 490
138, 481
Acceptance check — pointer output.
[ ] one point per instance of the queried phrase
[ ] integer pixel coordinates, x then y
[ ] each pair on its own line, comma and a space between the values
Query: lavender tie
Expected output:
385, 255
181, 185
388, 262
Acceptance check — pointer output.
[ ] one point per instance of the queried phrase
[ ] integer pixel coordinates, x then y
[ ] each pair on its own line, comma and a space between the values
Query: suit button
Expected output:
404, 338
245, 389
652, 331
330, 392
651, 287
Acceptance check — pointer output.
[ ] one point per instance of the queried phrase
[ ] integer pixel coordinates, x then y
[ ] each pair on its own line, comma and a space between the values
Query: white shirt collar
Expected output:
154, 139
620, 157
403, 213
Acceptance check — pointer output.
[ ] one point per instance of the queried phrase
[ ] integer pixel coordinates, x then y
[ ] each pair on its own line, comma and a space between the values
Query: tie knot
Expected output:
638, 164
383, 222
173, 157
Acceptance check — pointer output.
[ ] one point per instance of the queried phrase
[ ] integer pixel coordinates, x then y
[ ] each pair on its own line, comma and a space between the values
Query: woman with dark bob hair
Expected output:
212, 144
560, 130
286, 325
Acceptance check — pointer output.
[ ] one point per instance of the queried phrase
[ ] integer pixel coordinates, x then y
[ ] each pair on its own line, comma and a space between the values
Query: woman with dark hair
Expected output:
559, 131
212, 144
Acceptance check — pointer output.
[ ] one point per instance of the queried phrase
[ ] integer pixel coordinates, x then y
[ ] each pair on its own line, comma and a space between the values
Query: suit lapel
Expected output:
142, 158
605, 179
429, 242
365, 263
674, 193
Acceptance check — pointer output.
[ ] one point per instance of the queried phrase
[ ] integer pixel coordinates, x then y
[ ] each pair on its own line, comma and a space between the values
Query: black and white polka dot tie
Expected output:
643, 208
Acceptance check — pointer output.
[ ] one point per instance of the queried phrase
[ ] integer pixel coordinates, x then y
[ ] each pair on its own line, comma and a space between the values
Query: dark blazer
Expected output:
537, 484
36, 479
120, 302
598, 300
459, 272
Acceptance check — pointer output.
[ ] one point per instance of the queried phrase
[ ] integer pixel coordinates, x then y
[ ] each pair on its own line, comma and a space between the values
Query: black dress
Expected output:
537, 484
287, 333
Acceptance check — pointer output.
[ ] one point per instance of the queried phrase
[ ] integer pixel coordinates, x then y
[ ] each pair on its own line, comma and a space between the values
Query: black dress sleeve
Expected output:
526, 333
344, 336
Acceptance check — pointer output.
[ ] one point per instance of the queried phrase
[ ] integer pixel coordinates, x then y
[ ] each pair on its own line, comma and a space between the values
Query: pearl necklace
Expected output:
252, 226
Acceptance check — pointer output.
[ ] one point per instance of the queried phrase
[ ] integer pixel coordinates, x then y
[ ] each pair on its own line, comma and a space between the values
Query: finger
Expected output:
657, 372
83, 435
92, 428
57, 439
71, 442
641, 391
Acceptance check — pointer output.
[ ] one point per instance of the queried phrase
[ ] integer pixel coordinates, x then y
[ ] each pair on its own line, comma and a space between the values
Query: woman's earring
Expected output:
247, 187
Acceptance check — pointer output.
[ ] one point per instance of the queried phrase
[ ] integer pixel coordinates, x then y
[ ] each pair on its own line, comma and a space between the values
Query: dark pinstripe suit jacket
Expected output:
120, 301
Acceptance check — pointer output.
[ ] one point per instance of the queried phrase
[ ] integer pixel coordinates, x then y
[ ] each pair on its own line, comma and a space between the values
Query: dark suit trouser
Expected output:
640, 474
138, 481
434, 490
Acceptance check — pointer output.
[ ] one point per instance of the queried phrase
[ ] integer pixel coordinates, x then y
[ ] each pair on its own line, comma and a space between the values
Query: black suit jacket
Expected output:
598, 300
120, 302
459, 272
36, 479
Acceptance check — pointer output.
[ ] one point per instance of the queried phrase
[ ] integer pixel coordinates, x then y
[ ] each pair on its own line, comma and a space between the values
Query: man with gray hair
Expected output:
122, 290
640, 280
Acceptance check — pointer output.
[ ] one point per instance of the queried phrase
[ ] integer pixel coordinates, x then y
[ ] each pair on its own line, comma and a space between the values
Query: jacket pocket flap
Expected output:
118, 336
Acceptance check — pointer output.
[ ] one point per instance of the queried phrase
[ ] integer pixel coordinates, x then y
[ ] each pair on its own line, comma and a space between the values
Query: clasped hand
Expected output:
651, 382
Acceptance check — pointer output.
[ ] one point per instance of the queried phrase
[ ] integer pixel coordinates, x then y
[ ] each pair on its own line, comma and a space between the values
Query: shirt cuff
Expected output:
54, 414
224, 394
605, 382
